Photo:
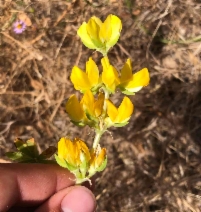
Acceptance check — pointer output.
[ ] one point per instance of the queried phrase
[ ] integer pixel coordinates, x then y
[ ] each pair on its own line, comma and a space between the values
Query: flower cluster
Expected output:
95, 108
78, 159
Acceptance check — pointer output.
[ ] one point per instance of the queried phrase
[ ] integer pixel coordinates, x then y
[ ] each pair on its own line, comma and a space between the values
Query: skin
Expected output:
42, 188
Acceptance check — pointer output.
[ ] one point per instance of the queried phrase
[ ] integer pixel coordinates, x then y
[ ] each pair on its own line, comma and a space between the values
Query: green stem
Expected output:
97, 138
107, 95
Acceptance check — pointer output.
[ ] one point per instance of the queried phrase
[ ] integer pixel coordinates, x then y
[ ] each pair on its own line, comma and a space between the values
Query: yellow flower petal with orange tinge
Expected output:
71, 151
98, 156
74, 109
121, 114
98, 105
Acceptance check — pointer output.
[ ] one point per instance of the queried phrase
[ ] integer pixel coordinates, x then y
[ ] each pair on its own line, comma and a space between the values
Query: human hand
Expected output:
42, 188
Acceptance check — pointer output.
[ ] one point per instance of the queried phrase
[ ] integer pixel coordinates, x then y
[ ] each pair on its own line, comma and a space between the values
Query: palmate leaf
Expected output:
27, 152
28, 147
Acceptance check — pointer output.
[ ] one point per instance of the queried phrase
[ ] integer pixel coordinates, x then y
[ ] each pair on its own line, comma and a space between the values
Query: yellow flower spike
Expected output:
100, 35
130, 83
74, 109
83, 81
121, 114
109, 75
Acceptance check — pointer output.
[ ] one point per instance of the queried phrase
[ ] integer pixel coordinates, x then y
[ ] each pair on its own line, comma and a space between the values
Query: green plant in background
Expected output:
95, 108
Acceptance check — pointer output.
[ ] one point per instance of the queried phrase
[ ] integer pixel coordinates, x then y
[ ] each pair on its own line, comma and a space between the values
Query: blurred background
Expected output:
153, 162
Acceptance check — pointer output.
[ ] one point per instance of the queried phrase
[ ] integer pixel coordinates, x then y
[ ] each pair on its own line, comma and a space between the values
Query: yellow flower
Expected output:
98, 160
74, 153
92, 107
130, 83
109, 75
87, 110
75, 110
121, 114
100, 35
85, 80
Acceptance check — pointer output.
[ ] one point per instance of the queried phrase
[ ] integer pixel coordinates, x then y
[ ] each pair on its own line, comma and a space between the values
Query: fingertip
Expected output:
71, 199
79, 198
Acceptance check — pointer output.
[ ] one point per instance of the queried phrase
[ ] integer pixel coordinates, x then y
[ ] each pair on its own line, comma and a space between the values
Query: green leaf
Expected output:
29, 147
19, 157
14, 155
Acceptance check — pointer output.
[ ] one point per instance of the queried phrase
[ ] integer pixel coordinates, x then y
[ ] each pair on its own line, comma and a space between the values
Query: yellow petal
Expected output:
106, 30
100, 158
126, 72
93, 31
116, 27
80, 79
109, 75
74, 109
98, 106
112, 111
140, 79
86, 39
87, 102
92, 72
83, 147
105, 63
62, 151
97, 20
125, 110
66, 151
73, 156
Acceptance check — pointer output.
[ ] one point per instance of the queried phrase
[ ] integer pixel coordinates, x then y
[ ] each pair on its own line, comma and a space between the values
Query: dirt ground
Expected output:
154, 163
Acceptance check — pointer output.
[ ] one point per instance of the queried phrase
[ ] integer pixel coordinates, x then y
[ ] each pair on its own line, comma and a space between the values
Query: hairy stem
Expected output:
97, 138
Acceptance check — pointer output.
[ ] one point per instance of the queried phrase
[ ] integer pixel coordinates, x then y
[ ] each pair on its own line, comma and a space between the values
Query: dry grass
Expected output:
154, 162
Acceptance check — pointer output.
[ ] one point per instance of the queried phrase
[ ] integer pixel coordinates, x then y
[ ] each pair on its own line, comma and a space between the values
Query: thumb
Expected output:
71, 199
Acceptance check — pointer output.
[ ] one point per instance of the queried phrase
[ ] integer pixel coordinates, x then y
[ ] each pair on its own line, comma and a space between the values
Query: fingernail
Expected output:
78, 199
